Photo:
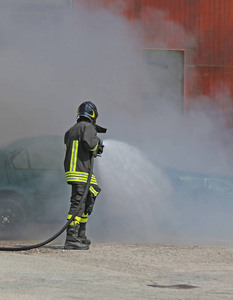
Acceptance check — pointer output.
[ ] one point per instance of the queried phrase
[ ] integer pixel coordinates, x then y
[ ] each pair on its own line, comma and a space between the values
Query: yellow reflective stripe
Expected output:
81, 174
93, 182
84, 218
75, 156
76, 175
75, 221
95, 148
73, 159
72, 156
80, 177
94, 192
65, 147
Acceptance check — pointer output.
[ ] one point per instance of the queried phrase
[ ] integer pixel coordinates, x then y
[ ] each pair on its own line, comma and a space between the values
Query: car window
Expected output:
20, 160
48, 155
192, 182
219, 186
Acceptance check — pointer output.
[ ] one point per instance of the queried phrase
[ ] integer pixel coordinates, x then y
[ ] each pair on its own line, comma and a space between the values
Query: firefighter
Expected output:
81, 143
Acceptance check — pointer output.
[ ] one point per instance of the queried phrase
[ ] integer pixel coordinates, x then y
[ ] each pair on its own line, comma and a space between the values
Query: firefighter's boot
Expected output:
73, 242
82, 234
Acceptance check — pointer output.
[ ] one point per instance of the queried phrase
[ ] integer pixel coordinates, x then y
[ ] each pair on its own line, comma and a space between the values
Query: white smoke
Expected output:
53, 60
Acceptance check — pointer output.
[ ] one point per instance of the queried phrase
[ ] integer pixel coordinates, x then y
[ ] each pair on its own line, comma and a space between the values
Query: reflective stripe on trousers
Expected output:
78, 220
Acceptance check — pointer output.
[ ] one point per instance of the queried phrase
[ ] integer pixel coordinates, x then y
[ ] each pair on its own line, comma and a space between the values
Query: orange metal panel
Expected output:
203, 43
220, 21
216, 47
228, 37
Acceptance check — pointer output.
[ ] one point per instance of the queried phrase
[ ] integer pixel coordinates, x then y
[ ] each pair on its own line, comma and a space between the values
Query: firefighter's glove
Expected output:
89, 204
89, 210
100, 148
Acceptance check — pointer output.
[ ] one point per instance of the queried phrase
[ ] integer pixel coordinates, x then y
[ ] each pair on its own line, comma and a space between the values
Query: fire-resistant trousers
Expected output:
87, 205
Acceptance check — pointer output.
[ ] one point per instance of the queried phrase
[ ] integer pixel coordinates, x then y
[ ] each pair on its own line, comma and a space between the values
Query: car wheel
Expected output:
12, 217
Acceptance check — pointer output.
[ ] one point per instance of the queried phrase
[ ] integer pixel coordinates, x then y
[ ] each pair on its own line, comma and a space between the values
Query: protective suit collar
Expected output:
100, 129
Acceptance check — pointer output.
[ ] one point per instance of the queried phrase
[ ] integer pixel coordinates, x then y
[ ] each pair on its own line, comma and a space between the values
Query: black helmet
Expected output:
88, 109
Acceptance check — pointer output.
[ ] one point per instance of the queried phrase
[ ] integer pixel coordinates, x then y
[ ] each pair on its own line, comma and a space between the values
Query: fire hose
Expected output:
29, 247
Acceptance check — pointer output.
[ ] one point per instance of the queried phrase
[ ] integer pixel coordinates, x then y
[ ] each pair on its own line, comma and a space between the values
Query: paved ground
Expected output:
117, 271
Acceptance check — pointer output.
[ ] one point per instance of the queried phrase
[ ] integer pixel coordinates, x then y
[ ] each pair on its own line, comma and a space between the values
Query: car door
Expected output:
38, 171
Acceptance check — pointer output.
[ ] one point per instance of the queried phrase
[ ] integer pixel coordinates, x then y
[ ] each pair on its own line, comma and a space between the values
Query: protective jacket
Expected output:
81, 141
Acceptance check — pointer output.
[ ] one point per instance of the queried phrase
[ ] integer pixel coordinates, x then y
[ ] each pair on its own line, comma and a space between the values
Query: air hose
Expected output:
29, 247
